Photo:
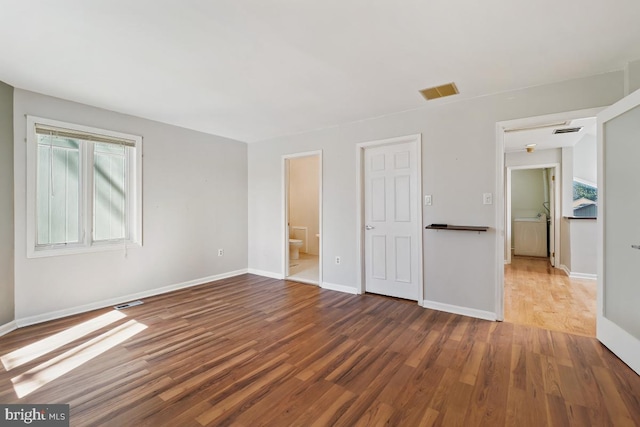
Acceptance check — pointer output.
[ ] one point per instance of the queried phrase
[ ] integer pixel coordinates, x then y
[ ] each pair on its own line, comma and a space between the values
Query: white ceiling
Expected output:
545, 139
257, 69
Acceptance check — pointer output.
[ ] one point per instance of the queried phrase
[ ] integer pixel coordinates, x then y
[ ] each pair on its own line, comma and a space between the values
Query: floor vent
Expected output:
567, 130
127, 305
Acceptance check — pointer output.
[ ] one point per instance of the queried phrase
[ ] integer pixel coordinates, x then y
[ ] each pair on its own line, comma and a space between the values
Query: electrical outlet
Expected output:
337, 260
220, 252
487, 198
427, 200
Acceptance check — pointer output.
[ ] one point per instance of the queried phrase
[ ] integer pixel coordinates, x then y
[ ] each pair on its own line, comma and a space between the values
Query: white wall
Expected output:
194, 202
538, 157
565, 245
634, 76
585, 159
459, 164
584, 246
6, 204
527, 194
303, 198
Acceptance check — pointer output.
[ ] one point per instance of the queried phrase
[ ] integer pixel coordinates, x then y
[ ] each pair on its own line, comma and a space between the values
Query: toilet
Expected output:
294, 248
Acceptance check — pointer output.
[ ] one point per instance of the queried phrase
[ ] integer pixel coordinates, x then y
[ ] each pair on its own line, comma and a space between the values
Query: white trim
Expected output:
264, 273
134, 194
500, 189
620, 342
339, 288
587, 276
500, 214
26, 321
463, 311
8, 327
285, 212
360, 147
565, 269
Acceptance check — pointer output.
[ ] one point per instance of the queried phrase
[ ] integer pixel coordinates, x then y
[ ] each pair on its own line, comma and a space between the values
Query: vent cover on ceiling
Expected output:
440, 91
567, 130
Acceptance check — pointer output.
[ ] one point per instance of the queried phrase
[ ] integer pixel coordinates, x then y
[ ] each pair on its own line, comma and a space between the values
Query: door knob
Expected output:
369, 227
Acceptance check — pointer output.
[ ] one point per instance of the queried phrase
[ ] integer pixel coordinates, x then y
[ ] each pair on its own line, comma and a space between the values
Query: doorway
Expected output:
302, 245
537, 288
389, 221
532, 195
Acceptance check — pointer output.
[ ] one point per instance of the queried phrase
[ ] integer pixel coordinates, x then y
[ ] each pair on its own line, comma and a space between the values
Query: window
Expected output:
585, 198
83, 188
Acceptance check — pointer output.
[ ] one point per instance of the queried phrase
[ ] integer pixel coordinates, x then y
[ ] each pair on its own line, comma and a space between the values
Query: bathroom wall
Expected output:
303, 198
527, 194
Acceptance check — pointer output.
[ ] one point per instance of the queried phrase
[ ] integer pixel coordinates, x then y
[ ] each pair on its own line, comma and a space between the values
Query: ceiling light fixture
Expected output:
530, 147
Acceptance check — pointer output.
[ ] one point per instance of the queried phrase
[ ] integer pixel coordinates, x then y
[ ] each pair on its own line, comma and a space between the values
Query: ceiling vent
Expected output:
439, 91
567, 130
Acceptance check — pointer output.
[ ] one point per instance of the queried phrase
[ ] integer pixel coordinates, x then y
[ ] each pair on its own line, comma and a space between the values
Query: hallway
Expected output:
537, 294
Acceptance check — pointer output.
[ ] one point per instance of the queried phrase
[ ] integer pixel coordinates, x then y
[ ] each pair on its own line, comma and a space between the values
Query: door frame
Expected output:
285, 211
500, 188
556, 217
619, 341
416, 139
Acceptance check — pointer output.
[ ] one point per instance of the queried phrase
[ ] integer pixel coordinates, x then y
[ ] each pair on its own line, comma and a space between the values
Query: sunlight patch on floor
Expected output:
46, 372
32, 351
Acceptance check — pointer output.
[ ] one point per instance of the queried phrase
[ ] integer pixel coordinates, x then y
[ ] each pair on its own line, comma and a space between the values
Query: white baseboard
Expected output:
26, 321
9, 327
339, 288
583, 276
269, 274
464, 311
575, 275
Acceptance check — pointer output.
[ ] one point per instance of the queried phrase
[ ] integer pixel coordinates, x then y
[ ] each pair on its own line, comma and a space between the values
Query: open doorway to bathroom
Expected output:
303, 217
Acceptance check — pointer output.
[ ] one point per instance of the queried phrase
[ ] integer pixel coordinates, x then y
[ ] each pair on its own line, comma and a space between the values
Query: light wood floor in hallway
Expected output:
252, 351
536, 294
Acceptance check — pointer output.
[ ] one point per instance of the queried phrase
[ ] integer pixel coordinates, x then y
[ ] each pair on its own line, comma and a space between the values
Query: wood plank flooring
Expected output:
536, 294
252, 351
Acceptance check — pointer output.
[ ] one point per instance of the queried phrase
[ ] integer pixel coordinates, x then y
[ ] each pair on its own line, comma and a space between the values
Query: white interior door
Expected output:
551, 173
618, 321
391, 215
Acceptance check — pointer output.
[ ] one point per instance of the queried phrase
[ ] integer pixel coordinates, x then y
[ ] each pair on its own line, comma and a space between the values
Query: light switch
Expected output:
487, 198
427, 200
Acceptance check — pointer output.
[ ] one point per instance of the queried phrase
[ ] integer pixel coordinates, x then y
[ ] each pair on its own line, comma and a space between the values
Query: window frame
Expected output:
86, 219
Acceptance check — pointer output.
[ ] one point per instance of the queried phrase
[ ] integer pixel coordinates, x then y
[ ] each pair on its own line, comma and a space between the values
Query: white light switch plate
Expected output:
487, 198
427, 200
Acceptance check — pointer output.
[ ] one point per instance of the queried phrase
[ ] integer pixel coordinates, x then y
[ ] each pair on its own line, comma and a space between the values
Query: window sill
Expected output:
76, 250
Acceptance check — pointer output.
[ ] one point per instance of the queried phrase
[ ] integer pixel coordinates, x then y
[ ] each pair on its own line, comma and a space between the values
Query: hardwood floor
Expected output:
250, 351
536, 294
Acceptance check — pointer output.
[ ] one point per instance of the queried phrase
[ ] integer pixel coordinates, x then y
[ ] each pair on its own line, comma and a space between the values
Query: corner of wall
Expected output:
7, 254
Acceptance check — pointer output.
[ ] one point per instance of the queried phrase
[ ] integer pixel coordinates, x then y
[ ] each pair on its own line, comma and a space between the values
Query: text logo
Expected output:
34, 415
